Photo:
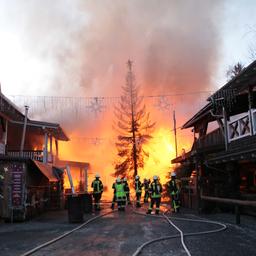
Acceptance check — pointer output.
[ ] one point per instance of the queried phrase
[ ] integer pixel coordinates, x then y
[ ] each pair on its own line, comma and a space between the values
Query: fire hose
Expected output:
65, 234
181, 235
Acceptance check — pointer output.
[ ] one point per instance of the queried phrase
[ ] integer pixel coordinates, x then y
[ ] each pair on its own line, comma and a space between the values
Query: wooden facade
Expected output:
30, 179
224, 159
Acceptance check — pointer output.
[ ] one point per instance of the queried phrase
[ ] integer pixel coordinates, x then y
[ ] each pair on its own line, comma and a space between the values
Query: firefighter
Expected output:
97, 191
174, 191
146, 184
155, 190
114, 196
138, 190
120, 195
127, 190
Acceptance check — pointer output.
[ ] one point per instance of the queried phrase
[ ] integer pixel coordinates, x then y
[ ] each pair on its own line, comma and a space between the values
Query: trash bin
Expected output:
75, 208
87, 202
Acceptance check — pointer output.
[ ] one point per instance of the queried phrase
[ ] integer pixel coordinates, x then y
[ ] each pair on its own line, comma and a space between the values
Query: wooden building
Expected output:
222, 160
31, 174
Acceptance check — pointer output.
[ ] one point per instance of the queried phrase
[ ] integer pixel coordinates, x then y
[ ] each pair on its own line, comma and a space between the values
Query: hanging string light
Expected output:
78, 106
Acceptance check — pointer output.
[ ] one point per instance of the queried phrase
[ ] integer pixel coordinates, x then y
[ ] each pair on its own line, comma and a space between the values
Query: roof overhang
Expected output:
205, 112
52, 128
64, 163
240, 82
46, 170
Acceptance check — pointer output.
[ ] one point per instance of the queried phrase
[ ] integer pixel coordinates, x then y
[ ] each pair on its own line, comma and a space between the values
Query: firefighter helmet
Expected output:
118, 179
173, 174
97, 175
124, 179
137, 177
155, 177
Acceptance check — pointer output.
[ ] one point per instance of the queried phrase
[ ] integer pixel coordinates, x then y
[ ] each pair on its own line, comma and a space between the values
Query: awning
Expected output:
46, 170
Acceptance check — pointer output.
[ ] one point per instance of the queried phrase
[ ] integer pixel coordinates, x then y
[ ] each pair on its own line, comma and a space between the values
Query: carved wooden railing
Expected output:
240, 127
31, 154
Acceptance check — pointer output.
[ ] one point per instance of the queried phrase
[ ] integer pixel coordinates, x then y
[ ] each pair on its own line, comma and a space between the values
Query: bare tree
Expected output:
133, 126
233, 71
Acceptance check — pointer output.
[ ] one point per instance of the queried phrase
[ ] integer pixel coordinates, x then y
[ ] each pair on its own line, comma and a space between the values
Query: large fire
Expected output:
161, 150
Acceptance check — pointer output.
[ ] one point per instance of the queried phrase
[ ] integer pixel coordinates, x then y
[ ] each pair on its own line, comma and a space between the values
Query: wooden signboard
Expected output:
17, 186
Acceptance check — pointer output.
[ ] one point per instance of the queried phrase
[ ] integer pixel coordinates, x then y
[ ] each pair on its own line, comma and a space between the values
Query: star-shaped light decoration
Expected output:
162, 103
96, 105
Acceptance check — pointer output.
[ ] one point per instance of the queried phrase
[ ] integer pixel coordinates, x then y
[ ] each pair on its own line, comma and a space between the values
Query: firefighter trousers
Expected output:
97, 197
153, 201
121, 202
175, 204
138, 196
146, 196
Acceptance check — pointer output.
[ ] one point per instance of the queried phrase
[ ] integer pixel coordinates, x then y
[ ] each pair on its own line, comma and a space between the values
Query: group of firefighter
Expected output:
152, 190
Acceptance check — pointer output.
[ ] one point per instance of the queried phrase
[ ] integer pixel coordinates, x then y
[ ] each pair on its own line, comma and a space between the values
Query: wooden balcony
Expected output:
34, 155
242, 126
210, 142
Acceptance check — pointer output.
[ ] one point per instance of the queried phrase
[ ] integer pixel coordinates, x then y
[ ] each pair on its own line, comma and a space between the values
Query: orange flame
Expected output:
161, 150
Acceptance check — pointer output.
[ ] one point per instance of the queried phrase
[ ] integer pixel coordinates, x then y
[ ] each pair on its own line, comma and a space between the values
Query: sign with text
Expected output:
17, 177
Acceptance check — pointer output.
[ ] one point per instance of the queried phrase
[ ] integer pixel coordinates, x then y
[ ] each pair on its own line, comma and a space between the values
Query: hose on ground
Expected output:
182, 235
30, 252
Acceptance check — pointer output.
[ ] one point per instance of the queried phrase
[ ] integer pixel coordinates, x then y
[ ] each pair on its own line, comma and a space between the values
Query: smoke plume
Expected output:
80, 48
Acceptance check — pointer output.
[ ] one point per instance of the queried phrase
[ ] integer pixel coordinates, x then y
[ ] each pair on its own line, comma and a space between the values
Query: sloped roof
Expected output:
203, 113
46, 170
239, 83
9, 110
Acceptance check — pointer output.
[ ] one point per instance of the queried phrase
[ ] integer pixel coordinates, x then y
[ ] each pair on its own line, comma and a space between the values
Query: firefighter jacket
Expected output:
97, 186
126, 187
173, 186
155, 189
114, 187
138, 186
146, 185
119, 190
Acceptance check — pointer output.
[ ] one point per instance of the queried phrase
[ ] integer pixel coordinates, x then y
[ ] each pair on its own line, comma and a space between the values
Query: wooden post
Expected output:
86, 179
45, 154
24, 130
5, 136
70, 179
175, 133
250, 101
225, 124
51, 154
57, 148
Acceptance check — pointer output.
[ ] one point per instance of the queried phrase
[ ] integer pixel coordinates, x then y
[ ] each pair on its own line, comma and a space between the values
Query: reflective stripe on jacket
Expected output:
155, 189
119, 189
138, 186
97, 186
172, 187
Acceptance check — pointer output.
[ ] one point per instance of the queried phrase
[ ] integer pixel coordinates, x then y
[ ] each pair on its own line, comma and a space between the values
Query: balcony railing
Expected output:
242, 126
34, 155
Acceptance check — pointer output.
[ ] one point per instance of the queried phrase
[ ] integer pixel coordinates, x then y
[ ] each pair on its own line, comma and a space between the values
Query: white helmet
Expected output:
118, 179
137, 177
155, 177
173, 174
124, 179
97, 176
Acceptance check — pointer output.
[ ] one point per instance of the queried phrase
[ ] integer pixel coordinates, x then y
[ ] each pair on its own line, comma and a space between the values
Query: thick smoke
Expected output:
83, 45
80, 48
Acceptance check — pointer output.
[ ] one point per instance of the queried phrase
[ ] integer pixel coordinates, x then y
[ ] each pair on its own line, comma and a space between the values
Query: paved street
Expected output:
122, 233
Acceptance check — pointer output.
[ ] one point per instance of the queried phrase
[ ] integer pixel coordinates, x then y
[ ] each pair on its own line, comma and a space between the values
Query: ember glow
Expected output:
101, 156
